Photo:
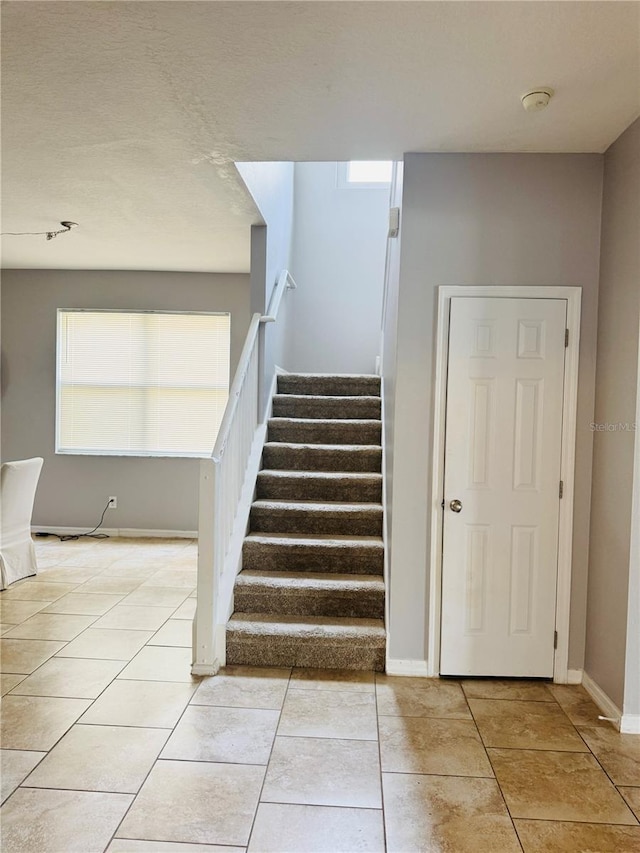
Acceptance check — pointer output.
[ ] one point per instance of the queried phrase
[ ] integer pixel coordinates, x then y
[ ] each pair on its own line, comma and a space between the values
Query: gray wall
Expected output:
613, 451
389, 347
339, 241
271, 187
153, 493
471, 219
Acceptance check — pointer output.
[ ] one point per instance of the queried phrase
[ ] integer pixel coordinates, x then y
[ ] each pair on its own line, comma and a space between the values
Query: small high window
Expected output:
365, 174
369, 171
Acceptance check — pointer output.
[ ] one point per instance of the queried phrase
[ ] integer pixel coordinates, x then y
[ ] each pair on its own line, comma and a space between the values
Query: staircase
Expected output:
311, 592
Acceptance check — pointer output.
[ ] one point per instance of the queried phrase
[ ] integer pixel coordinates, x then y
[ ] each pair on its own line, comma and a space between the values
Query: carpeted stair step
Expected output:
316, 431
309, 594
352, 519
261, 552
324, 406
319, 486
321, 457
334, 386
327, 642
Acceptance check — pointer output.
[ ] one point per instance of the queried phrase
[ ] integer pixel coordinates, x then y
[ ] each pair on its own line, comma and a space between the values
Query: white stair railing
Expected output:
223, 479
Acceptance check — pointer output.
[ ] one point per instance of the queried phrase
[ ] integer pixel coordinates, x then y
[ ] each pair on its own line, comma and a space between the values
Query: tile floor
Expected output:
109, 744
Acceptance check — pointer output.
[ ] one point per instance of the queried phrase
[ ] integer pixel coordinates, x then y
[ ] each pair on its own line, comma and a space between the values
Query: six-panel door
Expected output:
502, 463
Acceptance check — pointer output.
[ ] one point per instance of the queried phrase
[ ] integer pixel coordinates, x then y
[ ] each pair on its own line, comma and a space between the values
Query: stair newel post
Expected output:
204, 658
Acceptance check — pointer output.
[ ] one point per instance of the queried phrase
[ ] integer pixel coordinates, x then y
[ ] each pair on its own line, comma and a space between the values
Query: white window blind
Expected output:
141, 383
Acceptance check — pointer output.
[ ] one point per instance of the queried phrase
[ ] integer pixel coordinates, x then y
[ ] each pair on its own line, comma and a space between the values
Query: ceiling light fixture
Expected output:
66, 226
537, 99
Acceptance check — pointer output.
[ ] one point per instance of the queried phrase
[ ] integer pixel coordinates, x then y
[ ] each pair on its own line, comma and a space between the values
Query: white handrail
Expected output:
236, 388
285, 282
226, 485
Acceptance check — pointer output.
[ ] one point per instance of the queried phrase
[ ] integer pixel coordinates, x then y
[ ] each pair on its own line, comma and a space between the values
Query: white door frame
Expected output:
573, 295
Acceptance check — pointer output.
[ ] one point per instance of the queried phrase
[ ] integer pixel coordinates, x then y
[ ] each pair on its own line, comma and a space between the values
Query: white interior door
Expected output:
502, 463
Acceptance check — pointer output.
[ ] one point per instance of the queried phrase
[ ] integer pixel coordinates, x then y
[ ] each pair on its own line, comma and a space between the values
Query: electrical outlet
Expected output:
113, 502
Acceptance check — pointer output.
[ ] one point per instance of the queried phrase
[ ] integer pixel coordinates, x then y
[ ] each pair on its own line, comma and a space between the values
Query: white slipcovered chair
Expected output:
18, 483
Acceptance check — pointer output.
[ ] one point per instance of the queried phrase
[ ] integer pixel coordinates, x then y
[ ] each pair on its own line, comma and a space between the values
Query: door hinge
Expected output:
555, 639
566, 337
561, 489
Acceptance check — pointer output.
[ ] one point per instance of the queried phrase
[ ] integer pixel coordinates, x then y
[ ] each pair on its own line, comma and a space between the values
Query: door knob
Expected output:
456, 505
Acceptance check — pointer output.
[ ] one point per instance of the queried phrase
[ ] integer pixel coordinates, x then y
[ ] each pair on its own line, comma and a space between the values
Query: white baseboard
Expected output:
139, 533
630, 724
200, 669
416, 668
608, 707
574, 676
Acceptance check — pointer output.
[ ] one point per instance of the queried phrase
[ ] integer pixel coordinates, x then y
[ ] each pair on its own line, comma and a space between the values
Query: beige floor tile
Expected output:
36, 590
74, 678
14, 612
45, 559
432, 698
185, 557
632, 796
109, 585
329, 714
126, 570
426, 745
176, 578
440, 813
232, 735
127, 555
135, 618
412, 681
577, 704
323, 772
23, 656
566, 786
36, 722
58, 552
122, 845
150, 704
316, 829
56, 821
196, 802
525, 725
90, 556
156, 596
619, 754
69, 574
87, 604
332, 679
174, 632
9, 680
119, 759
555, 837
51, 626
4, 628
244, 687
142, 565
187, 610
15, 765
161, 663
489, 688
106, 644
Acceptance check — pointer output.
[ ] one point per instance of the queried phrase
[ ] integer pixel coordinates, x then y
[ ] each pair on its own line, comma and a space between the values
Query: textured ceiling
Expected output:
127, 116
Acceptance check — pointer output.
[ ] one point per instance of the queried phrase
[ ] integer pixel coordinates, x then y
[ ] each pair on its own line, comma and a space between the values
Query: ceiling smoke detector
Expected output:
537, 99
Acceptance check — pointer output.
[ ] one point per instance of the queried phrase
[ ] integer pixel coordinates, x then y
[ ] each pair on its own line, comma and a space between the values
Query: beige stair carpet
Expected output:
311, 591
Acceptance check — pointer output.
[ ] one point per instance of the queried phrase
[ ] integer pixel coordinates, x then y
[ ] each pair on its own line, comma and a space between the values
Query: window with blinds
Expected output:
140, 383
